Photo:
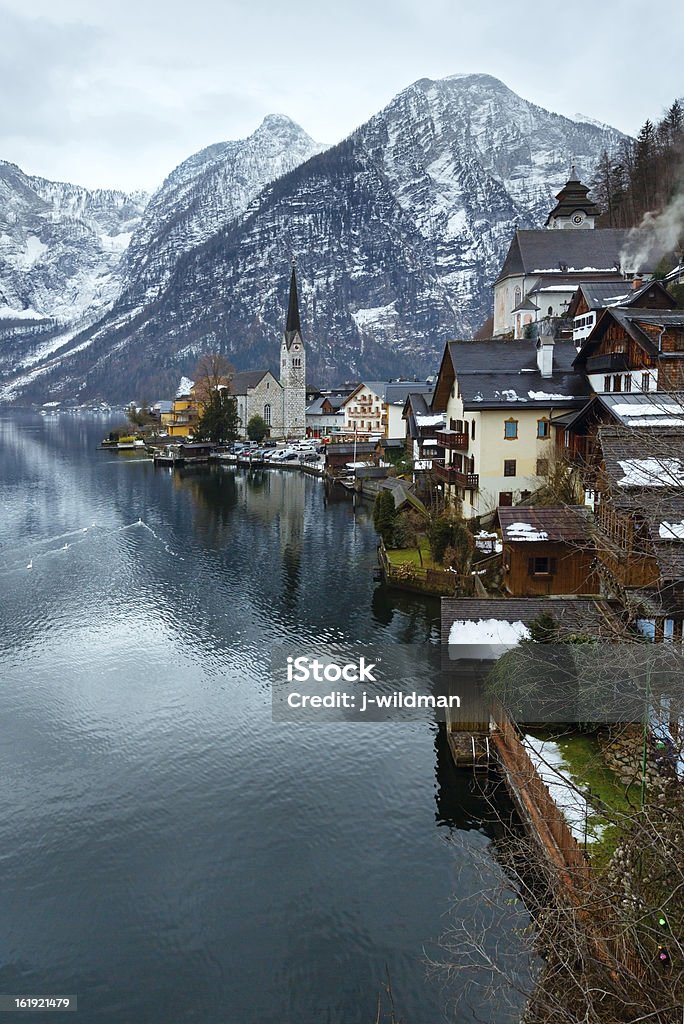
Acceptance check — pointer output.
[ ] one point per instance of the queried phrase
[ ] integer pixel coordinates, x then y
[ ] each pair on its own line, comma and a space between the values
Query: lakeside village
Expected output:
536, 485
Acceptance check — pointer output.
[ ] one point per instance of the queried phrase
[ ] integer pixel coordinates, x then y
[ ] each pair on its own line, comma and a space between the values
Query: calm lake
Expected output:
167, 852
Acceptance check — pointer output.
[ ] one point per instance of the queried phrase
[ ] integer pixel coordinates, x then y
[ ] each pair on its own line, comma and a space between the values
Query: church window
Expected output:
550, 310
297, 362
517, 296
267, 414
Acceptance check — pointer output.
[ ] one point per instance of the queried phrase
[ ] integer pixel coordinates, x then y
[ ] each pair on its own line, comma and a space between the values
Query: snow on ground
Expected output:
7, 313
377, 314
554, 771
652, 473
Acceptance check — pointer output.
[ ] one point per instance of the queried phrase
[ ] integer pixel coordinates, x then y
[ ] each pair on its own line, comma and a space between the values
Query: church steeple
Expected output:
293, 325
574, 208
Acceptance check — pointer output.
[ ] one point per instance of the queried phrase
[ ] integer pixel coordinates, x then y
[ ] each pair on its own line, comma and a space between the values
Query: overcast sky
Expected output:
117, 93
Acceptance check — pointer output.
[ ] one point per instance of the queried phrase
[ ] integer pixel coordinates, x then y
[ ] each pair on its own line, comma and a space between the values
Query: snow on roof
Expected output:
525, 531
429, 421
487, 631
652, 473
671, 531
185, 387
543, 396
648, 409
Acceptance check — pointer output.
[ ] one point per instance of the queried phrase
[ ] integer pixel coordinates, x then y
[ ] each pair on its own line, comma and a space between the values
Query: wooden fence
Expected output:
546, 817
417, 578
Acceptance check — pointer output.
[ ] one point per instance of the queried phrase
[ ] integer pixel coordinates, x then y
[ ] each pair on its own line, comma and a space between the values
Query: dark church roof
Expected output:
573, 196
293, 324
588, 251
241, 383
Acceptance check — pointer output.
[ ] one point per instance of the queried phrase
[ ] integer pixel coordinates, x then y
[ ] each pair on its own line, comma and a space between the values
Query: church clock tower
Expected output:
574, 208
293, 368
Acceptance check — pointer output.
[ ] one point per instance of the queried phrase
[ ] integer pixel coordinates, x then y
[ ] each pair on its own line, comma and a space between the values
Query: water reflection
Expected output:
169, 852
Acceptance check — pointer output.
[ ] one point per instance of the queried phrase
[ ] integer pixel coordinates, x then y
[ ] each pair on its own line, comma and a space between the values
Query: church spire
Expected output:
293, 324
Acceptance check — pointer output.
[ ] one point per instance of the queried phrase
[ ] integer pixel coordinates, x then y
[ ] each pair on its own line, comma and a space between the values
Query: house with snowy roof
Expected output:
498, 398
548, 550
640, 525
543, 267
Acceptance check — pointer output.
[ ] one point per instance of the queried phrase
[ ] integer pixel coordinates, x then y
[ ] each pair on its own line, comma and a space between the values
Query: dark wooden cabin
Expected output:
548, 551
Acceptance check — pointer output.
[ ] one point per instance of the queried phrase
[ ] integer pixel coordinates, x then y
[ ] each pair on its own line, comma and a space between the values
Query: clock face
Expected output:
578, 217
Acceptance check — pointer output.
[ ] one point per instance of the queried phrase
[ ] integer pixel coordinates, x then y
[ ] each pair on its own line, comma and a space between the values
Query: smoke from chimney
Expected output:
658, 234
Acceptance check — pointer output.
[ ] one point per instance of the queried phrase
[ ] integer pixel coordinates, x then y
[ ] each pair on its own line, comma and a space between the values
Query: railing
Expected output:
452, 439
455, 478
607, 363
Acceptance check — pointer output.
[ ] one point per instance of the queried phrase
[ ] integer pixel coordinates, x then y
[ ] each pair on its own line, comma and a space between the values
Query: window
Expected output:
506, 498
543, 428
510, 430
617, 383
550, 310
267, 414
541, 566
627, 383
517, 296
297, 362
606, 383
509, 467
645, 382
542, 467
472, 431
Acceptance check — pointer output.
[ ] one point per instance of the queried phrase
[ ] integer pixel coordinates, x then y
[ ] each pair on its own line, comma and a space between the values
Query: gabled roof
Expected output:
545, 251
316, 407
571, 614
601, 294
630, 319
504, 374
526, 303
650, 409
564, 524
243, 382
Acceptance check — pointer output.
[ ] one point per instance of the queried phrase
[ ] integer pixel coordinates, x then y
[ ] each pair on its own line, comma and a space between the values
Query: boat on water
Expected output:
127, 443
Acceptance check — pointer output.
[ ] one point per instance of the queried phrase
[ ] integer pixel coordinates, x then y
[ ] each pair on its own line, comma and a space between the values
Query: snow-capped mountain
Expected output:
60, 246
399, 232
204, 194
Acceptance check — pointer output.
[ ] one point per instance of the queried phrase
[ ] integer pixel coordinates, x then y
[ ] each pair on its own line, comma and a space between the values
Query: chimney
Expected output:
545, 355
637, 283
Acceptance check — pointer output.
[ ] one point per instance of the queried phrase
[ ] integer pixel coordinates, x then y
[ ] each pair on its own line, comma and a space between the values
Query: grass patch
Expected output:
410, 556
604, 790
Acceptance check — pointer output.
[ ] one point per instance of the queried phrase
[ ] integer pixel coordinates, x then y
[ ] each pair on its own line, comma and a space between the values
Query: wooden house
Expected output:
548, 551
640, 524
634, 349
592, 297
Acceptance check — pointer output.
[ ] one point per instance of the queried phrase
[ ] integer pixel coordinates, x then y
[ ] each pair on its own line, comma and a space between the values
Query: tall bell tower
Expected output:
293, 367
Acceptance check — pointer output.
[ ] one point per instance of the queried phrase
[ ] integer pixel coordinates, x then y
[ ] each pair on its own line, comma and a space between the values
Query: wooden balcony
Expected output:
455, 478
452, 439
608, 363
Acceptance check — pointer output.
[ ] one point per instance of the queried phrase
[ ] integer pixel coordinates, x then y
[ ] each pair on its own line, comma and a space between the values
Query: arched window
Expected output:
517, 296
267, 414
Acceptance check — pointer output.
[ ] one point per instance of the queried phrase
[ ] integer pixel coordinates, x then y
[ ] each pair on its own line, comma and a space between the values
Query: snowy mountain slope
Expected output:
204, 194
399, 232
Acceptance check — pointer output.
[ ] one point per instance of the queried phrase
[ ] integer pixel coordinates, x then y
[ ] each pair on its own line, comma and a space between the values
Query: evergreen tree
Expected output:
219, 421
257, 428
384, 515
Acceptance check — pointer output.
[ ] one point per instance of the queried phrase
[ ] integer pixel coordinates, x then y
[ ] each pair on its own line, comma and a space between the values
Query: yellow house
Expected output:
498, 398
185, 411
